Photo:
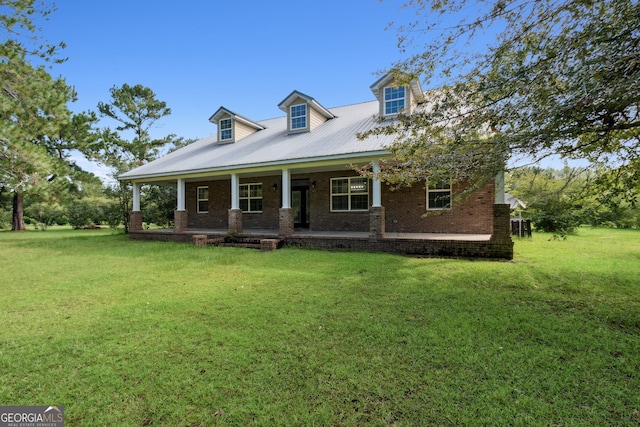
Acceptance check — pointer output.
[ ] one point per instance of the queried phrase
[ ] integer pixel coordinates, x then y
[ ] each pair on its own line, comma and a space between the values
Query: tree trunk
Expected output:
17, 223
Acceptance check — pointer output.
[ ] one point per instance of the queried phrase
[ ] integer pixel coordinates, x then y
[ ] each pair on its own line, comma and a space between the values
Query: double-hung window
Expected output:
203, 199
251, 197
394, 100
226, 129
438, 195
350, 194
298, 116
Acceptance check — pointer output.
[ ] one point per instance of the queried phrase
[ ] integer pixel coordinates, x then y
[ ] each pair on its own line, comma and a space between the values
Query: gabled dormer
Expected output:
397, 97
232, 127
303, 112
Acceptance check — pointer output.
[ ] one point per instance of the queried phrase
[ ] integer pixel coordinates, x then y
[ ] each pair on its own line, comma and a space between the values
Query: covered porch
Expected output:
284, 202
371, 226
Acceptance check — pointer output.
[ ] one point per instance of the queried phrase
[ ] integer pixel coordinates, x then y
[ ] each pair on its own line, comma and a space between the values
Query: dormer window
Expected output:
298, 116
226, 129
397, 94
233, 127
394, 100
303, 113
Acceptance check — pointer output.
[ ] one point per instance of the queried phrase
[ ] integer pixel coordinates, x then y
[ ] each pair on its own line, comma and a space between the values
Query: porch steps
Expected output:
264, 245
241, 242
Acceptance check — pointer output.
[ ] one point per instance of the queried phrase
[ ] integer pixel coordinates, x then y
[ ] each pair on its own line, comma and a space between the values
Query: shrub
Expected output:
79, 214
45, 213
555, 216
5, 219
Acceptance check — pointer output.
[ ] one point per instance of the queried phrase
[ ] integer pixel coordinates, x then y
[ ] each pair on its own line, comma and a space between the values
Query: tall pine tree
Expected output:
33, 105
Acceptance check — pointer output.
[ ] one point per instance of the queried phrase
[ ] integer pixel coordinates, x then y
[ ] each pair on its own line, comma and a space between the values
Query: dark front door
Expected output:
300, 205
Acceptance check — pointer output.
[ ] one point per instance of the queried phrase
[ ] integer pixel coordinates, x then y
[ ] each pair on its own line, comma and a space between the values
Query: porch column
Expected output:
180, 214
235, 191
285, 214
502, 243
235, 213
376, 212
500, 188
136, 197
286, 188
377, 187
135, 217
181, 195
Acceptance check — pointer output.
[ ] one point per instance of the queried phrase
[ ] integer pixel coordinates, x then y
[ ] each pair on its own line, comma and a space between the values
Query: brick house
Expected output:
291, 178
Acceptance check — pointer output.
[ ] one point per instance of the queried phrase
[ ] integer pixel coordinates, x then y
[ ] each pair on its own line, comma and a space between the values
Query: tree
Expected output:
136, 109
32, 104
18, 30
560, 78
557, 201
560, 200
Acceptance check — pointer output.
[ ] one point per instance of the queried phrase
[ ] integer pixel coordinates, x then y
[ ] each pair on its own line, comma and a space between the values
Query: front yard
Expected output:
122, 332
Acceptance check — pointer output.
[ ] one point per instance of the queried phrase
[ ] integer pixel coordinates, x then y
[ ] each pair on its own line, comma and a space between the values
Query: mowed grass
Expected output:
130, 333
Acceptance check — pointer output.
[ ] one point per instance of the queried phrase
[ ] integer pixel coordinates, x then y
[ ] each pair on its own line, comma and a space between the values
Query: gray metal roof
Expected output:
334, 139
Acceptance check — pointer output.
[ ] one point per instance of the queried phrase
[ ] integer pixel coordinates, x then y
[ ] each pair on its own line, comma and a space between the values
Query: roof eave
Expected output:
286, 162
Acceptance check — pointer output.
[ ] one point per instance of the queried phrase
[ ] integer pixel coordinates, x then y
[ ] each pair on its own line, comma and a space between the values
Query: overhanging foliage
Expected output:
559, 79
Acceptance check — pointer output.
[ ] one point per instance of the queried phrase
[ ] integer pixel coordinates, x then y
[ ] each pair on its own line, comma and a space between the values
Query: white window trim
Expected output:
306, 117
249, 198
385, 101
348, 194
198, 199
220, 138
439, 190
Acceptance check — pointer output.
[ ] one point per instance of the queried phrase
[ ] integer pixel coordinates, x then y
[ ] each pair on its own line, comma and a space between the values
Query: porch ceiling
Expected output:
259, 172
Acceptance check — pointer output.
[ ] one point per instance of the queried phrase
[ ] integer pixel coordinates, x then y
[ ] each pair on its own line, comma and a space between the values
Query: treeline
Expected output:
560, 200
88, 203
40, 137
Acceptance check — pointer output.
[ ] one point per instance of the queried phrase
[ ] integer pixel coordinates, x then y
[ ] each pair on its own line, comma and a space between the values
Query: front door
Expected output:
300, 205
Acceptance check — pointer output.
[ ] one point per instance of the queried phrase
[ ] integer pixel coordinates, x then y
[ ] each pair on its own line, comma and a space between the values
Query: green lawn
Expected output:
131, 333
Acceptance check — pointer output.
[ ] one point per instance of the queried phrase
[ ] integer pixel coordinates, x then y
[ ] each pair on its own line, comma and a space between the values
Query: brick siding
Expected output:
405, 209
320, 217
406, 212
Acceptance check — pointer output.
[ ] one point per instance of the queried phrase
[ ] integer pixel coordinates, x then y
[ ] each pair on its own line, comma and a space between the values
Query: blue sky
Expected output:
247, 56
198, 55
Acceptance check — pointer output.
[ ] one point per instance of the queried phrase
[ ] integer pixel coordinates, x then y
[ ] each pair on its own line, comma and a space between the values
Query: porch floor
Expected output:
267, 233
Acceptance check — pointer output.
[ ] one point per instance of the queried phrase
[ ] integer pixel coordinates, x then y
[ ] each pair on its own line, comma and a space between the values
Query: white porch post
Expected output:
285, 213
135, 217
377, 187
180, 218
286, 188
136, 197
235, 191
500, 188
376, 212
235, 214
181, 195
